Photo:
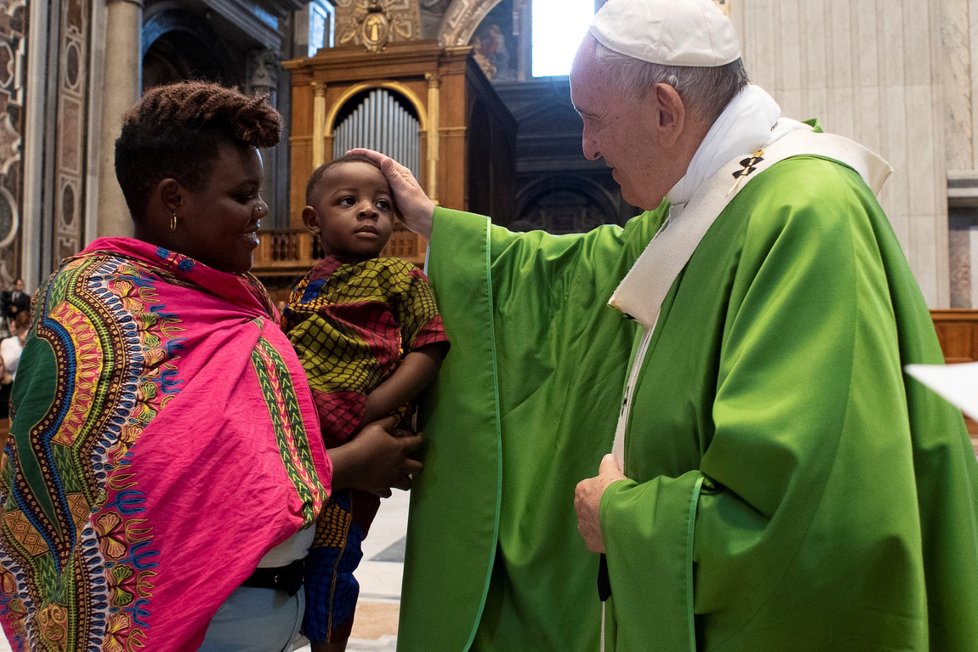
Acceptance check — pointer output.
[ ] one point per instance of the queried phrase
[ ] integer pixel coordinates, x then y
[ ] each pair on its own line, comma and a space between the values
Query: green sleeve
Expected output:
510, 429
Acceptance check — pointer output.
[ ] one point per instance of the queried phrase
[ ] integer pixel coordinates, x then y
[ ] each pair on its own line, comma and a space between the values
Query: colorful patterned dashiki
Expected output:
351, 323
159, 448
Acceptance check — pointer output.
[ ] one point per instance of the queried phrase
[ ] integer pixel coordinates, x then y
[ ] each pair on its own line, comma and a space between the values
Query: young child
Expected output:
370, 338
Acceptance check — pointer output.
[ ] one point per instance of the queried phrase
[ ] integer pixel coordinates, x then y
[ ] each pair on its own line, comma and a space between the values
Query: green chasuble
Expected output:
789, 488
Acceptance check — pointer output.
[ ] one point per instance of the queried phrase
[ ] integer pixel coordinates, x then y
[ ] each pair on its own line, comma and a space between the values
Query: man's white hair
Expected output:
705, 91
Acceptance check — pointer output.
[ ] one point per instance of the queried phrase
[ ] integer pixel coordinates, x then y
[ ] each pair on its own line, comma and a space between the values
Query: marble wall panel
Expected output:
930, 237
960, 255
956, 68
869, 70
13, 31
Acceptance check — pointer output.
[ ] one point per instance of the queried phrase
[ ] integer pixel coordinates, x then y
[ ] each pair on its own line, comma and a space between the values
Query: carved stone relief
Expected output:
375, 23
70, 165
13, 52
263, 69
462, 19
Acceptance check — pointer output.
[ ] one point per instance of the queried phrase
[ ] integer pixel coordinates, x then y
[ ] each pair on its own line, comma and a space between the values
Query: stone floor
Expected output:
375, 628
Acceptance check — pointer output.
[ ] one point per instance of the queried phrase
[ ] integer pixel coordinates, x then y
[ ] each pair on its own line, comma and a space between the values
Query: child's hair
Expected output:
174, 130
312, 188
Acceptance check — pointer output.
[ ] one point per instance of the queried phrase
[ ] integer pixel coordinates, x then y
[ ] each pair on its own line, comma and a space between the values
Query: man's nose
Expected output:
589, 147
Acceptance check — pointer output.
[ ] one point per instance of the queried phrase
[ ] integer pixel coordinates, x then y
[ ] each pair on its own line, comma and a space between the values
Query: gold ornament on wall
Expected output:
375, 23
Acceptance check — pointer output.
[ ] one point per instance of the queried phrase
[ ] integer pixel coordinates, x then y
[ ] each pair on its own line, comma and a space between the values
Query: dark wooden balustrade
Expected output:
957, 331
291, 252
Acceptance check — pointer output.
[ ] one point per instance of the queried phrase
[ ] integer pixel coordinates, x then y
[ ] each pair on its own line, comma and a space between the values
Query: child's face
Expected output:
354, 211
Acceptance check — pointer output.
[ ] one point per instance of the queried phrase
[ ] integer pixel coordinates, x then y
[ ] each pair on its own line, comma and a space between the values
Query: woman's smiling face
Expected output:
218, 225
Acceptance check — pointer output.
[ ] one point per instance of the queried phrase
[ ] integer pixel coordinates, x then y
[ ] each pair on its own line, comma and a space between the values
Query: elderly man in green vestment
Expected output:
775, 481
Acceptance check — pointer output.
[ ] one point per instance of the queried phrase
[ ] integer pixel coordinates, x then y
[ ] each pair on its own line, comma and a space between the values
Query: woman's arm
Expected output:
376, 460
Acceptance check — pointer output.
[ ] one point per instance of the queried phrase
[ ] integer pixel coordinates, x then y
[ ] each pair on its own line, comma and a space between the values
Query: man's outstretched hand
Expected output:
413, 204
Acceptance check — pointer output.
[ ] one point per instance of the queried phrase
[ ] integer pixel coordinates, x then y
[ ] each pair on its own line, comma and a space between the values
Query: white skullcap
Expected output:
667, 32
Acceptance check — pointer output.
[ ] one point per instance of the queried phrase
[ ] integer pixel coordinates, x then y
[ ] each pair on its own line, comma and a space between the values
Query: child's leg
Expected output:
331, 588
334, 646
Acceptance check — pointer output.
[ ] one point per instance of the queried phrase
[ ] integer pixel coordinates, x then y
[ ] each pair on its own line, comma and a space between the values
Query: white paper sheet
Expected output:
958, 383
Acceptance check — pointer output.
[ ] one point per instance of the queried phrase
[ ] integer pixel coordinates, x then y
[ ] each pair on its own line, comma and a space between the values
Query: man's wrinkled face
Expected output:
618, 128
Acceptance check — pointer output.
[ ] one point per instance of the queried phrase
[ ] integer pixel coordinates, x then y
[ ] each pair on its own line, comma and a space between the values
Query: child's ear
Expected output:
311, 219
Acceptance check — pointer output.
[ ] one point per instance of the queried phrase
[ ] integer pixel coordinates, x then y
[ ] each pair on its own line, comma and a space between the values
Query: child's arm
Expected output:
417, 369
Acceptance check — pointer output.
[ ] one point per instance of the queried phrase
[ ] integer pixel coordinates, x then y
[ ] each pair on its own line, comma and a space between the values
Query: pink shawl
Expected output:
163, 440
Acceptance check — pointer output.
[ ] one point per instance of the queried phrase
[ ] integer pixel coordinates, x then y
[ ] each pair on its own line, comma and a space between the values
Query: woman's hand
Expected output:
377, 459
414, 206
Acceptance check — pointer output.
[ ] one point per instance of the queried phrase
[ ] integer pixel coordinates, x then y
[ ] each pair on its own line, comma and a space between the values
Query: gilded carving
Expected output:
461, 20
375, 23
463, 17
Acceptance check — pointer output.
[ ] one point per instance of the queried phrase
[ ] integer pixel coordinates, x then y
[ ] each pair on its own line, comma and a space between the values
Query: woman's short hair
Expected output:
174, 130
705, 91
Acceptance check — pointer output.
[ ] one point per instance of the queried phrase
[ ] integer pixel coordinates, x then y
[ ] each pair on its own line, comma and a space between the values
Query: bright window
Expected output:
558, 27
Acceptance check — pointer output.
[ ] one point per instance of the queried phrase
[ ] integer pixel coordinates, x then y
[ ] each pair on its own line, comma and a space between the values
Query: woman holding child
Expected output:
164, 466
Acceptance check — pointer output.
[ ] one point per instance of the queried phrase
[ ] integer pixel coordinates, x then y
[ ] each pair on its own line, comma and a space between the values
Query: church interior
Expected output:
448, 88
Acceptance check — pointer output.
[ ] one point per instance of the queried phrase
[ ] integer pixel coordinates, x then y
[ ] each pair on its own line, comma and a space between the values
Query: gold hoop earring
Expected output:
173, 221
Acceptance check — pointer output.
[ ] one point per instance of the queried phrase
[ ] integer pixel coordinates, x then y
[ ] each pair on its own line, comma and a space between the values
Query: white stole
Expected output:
641, 292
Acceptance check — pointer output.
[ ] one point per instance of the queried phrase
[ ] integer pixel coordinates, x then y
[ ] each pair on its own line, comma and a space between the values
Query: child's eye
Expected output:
384, 204
347, 201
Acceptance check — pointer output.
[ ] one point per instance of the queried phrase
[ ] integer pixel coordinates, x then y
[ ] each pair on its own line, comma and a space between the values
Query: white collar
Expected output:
750, 121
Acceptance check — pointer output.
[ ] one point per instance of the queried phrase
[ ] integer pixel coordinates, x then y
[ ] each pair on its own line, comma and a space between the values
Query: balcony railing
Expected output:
293, 251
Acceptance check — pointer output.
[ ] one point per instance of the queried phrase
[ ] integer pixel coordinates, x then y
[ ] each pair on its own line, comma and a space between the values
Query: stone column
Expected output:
319, 125
122, 85
434, 130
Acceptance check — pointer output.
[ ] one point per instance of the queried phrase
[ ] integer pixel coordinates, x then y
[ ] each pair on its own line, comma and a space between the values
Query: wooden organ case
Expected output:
430, 107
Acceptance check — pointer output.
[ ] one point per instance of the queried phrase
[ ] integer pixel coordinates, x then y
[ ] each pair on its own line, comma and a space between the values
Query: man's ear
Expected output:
671, 114
311, 219
171, 194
